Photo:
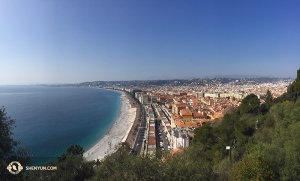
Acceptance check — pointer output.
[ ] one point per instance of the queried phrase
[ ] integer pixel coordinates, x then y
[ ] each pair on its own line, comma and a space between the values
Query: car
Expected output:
137, 144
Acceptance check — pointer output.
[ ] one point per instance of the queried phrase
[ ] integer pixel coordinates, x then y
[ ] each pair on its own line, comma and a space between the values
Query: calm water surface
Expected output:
49, 119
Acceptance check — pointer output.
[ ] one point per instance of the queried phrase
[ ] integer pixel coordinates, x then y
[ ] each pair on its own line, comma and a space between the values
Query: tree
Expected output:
291, 168
71, 166
290, 93
250, 104
244, 128
9, 148
75, 150
293, 90
265, 107
72, 150
204, 136
297, 83
252, 167
269, 99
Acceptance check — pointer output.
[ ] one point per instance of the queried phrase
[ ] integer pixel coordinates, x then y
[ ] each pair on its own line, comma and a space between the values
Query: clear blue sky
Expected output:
70, 41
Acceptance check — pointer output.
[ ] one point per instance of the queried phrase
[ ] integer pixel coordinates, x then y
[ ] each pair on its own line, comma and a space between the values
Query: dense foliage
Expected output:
9, 148
183, 166
71, 166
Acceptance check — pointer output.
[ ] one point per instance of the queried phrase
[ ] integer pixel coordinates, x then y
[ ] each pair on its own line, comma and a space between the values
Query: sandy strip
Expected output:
117, 133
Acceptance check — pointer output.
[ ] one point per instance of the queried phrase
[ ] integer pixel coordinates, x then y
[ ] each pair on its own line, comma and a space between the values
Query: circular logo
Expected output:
14, 167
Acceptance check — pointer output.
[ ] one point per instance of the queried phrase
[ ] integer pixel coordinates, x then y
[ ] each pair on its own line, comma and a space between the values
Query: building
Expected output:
179, 138
186, 114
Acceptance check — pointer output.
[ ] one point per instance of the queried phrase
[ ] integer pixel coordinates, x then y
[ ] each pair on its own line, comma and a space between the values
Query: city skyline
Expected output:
49, 42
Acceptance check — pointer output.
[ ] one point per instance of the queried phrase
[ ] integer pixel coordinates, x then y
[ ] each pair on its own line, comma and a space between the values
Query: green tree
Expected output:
293, 90
75, 150
124, 166
72, 150
250, 104
291, 169
269, 99
71, 166
244, 129
297, 83
188, 165
9, 148
204, 136
290, 94
252, 167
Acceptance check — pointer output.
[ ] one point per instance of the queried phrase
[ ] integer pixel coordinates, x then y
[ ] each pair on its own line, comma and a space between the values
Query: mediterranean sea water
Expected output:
49, 119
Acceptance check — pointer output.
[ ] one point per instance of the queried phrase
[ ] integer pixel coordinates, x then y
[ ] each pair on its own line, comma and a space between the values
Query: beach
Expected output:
116, 134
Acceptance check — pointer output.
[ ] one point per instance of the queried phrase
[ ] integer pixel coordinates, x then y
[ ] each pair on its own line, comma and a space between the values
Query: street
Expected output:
141, 132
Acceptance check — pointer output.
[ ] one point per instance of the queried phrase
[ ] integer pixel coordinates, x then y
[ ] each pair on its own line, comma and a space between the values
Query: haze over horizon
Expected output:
50, 42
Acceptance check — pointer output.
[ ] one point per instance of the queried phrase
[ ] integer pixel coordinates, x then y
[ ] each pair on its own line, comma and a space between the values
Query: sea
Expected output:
49, 119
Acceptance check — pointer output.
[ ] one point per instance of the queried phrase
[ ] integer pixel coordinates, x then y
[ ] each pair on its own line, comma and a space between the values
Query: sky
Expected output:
73, 41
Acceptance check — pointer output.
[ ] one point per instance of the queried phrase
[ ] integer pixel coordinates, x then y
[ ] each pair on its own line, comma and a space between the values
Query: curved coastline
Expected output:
116, 134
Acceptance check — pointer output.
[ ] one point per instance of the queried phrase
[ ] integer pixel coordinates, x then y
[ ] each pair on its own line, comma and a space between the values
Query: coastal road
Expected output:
140, 136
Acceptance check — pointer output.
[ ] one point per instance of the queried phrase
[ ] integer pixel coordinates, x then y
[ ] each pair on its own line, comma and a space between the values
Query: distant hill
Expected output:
237, 76
232, 76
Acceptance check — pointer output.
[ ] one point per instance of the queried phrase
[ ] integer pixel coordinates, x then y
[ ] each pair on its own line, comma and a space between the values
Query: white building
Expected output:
179, 138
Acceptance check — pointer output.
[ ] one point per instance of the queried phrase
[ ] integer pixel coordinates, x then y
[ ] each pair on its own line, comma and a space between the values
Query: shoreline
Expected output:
117, 133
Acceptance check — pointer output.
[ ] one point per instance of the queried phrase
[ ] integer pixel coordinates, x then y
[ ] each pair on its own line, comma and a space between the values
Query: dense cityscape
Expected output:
174, 108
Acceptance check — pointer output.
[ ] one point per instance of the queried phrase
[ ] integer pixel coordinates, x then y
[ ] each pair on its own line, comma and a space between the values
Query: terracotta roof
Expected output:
180, 105
185, 112
195, 101
169, 97
198, 115
192, 124
151, 141
176, 116
182, 123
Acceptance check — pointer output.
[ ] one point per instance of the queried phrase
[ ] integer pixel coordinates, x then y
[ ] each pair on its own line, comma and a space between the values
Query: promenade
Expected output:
131, 137
117, 133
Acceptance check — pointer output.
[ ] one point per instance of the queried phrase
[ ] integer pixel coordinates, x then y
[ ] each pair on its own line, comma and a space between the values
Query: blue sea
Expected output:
49, 119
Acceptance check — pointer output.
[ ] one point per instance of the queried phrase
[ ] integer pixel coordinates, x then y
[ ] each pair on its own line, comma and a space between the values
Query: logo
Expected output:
14, 167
